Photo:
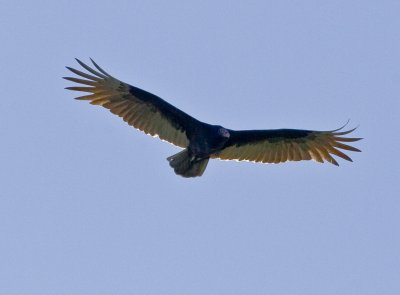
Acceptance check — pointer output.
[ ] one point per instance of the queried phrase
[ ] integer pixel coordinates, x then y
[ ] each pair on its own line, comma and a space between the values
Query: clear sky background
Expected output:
88, 205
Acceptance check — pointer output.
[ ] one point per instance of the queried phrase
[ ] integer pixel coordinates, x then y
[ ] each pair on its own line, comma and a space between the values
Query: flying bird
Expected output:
201, 141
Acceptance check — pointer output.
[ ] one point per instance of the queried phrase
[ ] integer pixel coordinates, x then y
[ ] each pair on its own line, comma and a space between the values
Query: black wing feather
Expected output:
177, 118
243, 137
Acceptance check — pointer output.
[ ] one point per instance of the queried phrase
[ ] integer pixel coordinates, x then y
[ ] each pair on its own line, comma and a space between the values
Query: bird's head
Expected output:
223, 132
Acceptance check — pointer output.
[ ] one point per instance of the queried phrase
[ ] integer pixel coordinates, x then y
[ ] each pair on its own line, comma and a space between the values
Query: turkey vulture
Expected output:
201, 141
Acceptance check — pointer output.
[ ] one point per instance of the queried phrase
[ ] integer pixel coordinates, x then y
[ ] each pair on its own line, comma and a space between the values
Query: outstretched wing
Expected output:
140, 109
281, 145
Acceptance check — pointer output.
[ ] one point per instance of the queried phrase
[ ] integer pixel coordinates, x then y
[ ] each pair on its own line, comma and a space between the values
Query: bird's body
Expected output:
201, 141
204, 141
207, 139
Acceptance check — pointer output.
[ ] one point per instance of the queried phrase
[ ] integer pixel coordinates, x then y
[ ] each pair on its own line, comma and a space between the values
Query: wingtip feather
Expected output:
89, 69
348, 121
99, 68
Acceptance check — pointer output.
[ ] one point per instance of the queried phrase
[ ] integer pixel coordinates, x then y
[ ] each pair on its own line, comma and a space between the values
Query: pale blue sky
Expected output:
89, 205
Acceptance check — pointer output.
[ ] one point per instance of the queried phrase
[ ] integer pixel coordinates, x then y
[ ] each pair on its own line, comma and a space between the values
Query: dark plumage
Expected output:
202, 141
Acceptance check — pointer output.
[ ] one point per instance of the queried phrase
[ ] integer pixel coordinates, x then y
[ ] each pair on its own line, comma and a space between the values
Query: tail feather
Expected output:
186, 165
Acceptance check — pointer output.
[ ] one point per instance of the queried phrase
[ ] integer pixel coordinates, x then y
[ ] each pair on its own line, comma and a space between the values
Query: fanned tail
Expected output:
186, 165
